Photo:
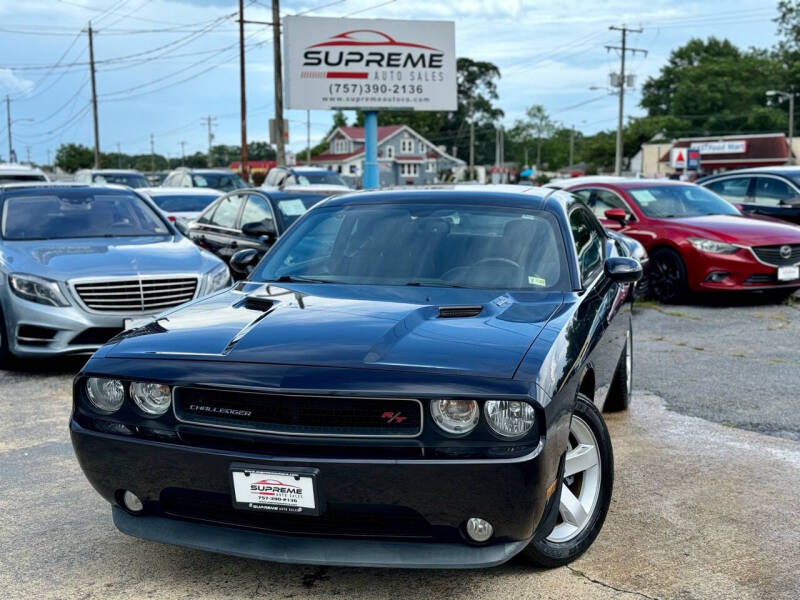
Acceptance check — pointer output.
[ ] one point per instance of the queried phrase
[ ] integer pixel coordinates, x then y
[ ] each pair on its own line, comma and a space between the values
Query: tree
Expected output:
71, 157
712, 87
534, 130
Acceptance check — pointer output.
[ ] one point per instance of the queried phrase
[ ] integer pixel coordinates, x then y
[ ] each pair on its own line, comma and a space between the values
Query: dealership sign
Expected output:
369, 64
726, 147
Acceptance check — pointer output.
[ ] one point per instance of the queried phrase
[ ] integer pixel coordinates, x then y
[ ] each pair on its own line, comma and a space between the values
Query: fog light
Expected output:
479, 530
716, 276
132, 502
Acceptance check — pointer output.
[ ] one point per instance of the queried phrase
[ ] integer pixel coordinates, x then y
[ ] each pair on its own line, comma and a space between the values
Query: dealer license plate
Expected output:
138, 322
788, 273
274, 491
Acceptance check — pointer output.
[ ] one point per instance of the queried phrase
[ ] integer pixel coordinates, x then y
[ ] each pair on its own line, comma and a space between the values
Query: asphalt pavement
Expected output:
704, 504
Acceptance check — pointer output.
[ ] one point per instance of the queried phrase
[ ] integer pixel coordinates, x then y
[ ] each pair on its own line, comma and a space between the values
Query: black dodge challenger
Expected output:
407, 379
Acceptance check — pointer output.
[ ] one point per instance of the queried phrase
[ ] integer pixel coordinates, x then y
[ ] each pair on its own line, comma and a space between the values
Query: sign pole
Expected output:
371, 176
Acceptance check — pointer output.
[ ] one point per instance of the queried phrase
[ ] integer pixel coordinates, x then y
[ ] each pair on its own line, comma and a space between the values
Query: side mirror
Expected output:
182, 227
243, 261
622, 269
260, 229
617, 214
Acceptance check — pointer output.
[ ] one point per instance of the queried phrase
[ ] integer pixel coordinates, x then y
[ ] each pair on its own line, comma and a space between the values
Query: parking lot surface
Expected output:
704, 504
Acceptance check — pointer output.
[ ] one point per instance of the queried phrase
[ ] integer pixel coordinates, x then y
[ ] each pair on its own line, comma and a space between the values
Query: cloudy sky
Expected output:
165, 65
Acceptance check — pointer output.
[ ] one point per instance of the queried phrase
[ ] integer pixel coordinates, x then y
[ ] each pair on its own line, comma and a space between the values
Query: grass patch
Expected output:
653, 305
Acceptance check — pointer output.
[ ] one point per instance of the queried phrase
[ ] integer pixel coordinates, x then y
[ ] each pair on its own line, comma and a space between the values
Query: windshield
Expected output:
290, 207
310, 178
434, 244
225, 182
4, 178
673, 201
134, 180
183, 202
78, 214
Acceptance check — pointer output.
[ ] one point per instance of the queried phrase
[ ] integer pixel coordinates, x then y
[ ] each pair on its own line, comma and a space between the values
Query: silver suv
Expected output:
78, 264
223, 180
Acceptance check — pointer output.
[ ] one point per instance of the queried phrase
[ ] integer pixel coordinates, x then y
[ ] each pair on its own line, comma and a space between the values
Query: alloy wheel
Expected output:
666, 277
580, 488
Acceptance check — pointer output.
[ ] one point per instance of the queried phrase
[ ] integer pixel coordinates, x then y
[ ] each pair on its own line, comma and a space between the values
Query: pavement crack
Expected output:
575, 571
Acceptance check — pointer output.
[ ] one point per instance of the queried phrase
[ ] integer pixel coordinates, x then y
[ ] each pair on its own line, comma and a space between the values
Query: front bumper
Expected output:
742, 272
375, 512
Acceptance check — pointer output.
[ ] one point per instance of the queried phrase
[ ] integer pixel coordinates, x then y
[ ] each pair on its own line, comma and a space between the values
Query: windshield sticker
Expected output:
643, 196
540, 281
292, 208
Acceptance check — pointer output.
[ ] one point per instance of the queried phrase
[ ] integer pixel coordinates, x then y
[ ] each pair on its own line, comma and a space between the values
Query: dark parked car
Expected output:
248, 219
696, 241
408, 379
770, 191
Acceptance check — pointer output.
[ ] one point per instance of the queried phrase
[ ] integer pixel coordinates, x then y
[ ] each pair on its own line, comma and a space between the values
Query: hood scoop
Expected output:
259, 304
459, 312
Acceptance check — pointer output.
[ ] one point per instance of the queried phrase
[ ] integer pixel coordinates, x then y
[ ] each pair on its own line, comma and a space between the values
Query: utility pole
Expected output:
502, 154
119, 156
94, 102
152, 154
308, 137
28, 153
572, 145
280, 154
48, 158
623, 49
242, 94
183, 153
210, 122
471, 141
8, 125
790, 97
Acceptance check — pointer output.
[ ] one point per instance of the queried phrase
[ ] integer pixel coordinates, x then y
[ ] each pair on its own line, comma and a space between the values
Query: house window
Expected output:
430, 166
422, 147
409, 169
406, 146
340, 146
389, 151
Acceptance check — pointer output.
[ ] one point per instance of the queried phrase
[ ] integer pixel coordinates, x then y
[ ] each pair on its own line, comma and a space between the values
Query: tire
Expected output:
588, 489
619, 396
667, 276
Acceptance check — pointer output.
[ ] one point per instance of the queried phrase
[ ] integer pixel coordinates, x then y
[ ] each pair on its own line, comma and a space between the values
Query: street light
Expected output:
790, 97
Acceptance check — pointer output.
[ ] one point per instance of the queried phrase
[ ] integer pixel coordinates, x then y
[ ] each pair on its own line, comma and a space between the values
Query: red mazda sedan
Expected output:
696, 240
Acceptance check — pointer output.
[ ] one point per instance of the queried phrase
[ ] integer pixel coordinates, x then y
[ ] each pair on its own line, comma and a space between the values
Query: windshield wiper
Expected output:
298, 279
435, 283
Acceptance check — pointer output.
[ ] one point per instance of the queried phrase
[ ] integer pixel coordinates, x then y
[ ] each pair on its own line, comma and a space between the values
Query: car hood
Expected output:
93, 257
349, 326
736, 229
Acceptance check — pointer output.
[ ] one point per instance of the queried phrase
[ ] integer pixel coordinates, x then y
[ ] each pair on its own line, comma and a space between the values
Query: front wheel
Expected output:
585, 490
667, 276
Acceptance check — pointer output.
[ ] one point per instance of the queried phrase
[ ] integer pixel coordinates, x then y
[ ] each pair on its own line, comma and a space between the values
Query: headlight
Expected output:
152, 398
218, 278
509, 418
105, 394
37, 289
712, 246
458, 417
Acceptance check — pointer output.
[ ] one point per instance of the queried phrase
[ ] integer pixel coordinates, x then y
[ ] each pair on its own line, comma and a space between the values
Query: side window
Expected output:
588, 244
605, 199
733, 189
205, 217
227, 209
256, 210
771, 192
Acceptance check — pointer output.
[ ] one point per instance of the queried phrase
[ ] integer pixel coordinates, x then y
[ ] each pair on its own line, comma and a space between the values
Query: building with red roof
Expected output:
404, 156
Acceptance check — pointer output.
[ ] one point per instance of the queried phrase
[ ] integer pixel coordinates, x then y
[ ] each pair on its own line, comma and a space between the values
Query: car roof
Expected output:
19, 169
126, 171
301, 168
786, 171
530, 197
586, 179
181, 191
225, 170
630, 183
37, 186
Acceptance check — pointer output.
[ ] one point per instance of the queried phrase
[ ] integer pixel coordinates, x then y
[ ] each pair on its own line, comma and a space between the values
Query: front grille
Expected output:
772, 254
338, 520
299, 415
137, 295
